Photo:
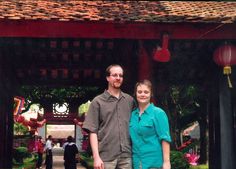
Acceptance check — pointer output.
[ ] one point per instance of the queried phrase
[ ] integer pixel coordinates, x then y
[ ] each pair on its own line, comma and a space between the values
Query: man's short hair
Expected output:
111, 66
69, 139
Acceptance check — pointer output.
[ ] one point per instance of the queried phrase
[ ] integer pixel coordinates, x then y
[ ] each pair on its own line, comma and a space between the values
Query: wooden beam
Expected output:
111, 30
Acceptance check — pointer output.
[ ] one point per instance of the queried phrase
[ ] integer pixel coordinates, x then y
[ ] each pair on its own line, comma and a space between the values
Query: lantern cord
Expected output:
229, 82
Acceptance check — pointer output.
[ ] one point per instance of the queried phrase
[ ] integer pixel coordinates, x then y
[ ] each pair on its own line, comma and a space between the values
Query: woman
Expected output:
149, 131
39, 148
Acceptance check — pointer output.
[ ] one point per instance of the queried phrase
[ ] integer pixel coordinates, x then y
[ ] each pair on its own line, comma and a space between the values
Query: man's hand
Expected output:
98, 163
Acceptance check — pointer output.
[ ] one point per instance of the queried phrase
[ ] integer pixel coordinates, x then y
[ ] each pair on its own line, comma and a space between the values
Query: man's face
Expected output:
115, 79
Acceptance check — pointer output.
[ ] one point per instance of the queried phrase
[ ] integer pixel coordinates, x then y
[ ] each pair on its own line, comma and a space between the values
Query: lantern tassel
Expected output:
229, 82
227, 71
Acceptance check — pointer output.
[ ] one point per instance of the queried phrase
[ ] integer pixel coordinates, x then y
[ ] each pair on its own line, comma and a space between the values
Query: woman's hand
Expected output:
166, 165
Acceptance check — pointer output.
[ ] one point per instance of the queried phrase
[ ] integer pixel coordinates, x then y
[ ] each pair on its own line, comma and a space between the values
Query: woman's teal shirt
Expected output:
147, 132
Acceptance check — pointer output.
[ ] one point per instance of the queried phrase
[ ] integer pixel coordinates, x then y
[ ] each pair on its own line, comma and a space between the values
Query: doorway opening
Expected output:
60, 133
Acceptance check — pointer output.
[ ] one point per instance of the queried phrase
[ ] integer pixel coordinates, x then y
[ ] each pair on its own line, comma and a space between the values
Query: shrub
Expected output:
178, 161
86, 160
20, 153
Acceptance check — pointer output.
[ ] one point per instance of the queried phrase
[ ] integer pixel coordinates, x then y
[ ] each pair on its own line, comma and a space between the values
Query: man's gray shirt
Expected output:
109, 117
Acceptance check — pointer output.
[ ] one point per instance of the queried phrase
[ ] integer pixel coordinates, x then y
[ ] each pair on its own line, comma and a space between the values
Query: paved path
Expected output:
58, 162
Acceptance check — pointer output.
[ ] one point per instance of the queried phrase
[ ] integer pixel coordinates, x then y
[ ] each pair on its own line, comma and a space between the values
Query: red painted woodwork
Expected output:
144, 64
163, 54
125, 30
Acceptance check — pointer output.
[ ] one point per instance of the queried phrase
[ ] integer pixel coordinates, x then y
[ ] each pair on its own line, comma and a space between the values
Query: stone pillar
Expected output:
226, 125
6, 115
214, 128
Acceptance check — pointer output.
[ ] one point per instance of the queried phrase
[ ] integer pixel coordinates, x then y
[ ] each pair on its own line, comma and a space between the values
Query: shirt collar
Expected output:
107, 95
147, 110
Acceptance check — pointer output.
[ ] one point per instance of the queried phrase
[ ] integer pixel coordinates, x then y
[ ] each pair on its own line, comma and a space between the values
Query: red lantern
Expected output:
226, 56
162, 54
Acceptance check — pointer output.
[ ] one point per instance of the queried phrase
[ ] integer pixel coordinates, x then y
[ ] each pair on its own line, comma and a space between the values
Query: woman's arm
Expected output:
166, 155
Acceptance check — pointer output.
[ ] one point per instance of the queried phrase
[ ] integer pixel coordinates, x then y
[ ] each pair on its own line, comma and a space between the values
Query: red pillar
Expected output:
144, 68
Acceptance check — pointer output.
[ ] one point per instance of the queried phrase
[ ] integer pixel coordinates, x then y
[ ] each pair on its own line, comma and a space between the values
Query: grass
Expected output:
203, 166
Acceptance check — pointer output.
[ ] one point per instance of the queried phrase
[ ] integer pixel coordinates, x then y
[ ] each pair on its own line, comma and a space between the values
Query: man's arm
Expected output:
98, 163
166, 154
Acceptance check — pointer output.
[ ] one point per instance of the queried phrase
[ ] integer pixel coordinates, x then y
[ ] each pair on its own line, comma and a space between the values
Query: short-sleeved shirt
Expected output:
48, 145
109, 117
147, 131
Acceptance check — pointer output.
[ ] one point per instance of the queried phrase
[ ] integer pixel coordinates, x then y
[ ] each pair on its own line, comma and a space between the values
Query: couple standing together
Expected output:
113, 128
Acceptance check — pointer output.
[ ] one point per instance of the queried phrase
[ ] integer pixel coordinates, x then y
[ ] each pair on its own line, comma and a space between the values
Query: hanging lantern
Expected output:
226, 56
162, 54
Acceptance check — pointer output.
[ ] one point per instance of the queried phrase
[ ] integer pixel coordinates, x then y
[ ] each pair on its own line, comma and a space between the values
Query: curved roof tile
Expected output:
119, 11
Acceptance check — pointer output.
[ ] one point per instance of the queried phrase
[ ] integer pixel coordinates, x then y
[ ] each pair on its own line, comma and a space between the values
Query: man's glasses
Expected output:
116, 75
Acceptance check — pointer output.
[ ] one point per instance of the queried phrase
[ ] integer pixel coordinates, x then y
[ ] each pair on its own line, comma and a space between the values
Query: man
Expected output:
48, 149
70, 152
107, 122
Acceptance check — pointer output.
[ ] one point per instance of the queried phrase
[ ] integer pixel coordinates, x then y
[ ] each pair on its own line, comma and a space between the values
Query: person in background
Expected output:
107, 123
149, 131
70, 152
40, 150
48, 150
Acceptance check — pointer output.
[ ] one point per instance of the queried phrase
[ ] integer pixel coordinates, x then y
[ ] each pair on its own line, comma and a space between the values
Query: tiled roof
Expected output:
119, 11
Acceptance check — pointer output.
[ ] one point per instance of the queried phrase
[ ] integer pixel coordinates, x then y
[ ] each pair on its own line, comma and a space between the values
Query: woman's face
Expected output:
143, 94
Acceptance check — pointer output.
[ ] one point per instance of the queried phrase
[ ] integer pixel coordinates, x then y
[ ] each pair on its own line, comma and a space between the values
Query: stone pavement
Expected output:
58, 162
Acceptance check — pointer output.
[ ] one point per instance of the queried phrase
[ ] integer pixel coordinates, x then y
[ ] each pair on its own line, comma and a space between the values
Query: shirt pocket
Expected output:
147, 128
131, 125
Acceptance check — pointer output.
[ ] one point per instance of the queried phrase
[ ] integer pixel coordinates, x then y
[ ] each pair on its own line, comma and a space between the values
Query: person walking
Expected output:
48, 150
107, 122
149, 131
70, 152
40, 150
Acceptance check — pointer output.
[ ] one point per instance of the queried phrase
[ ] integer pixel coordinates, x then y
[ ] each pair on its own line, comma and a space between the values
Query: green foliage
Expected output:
28, 163
184, 99
20, 153
181, 103
83, 108
178, 160
39, 94
86, 160
199, 167
20, 129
